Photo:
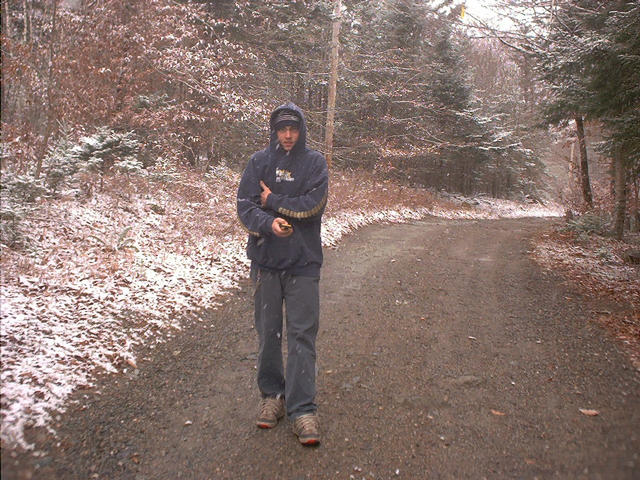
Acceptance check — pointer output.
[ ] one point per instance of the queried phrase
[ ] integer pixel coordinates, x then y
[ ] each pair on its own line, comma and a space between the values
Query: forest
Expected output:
126, 126
96, 88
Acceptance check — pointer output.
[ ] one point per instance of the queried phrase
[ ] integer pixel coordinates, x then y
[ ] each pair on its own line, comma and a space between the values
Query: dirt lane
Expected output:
444, 352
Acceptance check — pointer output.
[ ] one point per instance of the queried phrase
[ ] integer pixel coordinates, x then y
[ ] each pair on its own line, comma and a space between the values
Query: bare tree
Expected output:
584, 165
620, 185
6, 34
49, 119
333, 80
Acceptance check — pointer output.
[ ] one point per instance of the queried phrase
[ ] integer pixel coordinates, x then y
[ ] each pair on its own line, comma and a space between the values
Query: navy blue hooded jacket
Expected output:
299, 181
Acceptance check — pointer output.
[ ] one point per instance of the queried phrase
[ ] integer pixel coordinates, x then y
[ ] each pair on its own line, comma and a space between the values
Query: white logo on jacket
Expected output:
283, 176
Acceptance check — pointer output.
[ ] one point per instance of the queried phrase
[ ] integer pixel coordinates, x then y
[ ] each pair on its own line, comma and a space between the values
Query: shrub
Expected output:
105, 149
98, 153
18, 195
60, 163
117, 241
589, 223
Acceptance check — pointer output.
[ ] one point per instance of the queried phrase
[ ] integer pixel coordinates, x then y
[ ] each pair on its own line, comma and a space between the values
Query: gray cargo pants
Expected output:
300, 296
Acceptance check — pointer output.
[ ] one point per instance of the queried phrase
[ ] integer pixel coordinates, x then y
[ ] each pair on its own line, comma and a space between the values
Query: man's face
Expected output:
288, 136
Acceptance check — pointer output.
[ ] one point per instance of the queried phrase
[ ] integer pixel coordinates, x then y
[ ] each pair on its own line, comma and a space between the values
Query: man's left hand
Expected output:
265, 193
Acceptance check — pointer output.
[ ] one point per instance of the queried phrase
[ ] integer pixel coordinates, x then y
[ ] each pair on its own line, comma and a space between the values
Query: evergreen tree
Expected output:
592, 62
564, 70
612, 56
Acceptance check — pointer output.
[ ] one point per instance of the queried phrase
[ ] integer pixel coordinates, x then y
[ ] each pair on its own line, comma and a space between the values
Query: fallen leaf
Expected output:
498, 413
589, 413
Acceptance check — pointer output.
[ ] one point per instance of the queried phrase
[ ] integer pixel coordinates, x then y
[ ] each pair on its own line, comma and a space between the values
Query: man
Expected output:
281, 199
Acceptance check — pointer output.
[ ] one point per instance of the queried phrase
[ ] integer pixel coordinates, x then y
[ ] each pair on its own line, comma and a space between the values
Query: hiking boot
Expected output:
271, 410
307, 427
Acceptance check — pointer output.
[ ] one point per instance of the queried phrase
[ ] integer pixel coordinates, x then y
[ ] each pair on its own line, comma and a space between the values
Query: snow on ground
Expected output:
597, 266
117, 272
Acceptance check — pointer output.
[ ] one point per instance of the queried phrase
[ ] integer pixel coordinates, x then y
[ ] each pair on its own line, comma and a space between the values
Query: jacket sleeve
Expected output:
252, 217
312, 202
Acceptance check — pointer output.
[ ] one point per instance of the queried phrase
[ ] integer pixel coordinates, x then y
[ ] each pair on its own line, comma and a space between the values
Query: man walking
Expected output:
281, 199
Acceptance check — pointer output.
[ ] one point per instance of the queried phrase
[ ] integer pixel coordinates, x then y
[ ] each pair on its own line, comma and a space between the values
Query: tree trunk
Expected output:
636, 207
333, 81
26, 33
6, 23
50, 89
6, 32
621, 194
584, 165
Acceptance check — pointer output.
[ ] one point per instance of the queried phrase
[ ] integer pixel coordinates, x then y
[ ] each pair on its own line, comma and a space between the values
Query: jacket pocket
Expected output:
277, 253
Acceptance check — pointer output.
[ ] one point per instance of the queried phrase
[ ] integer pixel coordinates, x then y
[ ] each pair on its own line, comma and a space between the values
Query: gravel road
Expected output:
444, 353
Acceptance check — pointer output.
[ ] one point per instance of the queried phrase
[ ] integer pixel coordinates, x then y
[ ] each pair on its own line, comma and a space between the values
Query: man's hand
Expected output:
265, 193
277, 228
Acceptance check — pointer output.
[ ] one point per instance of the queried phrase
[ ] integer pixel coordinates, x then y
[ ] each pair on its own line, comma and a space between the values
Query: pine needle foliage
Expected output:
106, 149
19, 195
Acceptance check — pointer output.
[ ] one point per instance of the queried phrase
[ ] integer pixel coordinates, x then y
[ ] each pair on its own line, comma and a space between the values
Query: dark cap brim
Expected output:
284, 119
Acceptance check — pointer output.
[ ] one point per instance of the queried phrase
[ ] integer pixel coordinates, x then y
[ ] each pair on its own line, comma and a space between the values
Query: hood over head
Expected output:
293, 109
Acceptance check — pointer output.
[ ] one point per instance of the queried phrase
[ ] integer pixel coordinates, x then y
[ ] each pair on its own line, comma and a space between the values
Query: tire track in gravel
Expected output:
444, 352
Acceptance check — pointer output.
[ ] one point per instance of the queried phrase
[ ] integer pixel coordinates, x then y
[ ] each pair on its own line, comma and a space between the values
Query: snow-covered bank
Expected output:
87, 298
345, 222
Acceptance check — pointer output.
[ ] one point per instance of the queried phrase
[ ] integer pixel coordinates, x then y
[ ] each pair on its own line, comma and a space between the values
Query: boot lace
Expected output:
307, 423
270, 407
